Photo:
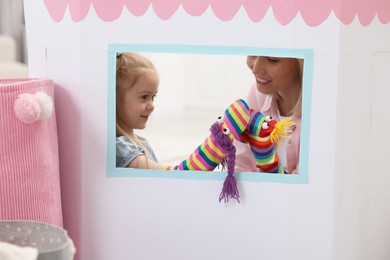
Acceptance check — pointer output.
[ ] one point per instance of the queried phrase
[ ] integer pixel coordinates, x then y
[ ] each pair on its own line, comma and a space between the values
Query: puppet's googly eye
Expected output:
268, 118
226, 131
265, 125
220, 120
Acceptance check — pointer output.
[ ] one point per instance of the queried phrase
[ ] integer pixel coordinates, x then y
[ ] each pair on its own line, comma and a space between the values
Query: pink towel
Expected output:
29, 166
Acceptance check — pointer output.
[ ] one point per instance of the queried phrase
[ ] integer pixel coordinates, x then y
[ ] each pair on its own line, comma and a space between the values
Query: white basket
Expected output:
52, 242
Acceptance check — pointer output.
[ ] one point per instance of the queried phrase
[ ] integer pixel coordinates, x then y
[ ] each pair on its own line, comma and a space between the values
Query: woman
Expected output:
277, 93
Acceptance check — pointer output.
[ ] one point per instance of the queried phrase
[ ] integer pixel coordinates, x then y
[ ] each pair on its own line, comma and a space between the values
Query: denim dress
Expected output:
127, 151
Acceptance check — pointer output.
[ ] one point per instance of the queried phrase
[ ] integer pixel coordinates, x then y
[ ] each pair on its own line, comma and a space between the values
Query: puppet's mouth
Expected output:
280, 130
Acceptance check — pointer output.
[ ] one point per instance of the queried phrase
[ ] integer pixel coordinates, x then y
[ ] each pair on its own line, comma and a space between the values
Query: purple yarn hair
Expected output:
229, 189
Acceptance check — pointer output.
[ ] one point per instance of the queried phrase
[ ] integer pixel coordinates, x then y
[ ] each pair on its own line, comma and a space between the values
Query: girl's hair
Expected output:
129, 68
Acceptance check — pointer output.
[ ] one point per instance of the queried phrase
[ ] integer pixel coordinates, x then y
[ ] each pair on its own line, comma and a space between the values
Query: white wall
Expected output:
159, 218
154, 218
361, 201
199, 84
194, 90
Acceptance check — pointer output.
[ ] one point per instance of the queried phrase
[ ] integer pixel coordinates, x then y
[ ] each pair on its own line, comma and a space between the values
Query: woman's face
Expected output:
275, 75
136, 104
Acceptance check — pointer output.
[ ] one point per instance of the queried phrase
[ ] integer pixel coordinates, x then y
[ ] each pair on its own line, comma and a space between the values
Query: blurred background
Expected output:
13, 46
194, 90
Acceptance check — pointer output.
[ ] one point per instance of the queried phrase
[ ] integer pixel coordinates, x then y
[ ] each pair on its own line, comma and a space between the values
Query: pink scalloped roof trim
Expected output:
313, 12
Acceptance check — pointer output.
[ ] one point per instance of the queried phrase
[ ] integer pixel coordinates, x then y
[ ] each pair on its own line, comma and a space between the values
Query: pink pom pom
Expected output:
27, 108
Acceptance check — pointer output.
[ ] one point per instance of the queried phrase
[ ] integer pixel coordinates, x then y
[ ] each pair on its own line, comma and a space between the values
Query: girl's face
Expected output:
275, 75
136, 104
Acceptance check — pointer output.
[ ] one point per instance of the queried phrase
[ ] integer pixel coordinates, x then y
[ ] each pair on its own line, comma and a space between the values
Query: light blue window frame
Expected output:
306, 54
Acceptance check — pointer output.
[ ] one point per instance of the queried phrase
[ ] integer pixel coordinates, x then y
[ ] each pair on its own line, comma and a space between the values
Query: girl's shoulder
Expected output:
144, 141
148, 147
125, 143
126, 151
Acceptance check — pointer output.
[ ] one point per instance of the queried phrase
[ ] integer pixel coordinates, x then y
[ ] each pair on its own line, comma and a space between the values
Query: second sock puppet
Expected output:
262, 133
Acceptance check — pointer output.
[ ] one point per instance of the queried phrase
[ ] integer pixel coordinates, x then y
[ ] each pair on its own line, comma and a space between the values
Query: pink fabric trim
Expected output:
313, 12
29, 165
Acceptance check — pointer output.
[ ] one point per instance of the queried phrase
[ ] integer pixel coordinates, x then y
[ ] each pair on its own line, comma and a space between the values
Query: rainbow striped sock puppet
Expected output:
245, 125
218, 148
262, 133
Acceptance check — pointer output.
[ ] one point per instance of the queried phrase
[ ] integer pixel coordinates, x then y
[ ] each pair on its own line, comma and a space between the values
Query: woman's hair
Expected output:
129, 68
297, 110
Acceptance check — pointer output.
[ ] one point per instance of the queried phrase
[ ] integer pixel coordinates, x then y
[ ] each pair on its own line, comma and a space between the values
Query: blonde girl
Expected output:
137, 84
